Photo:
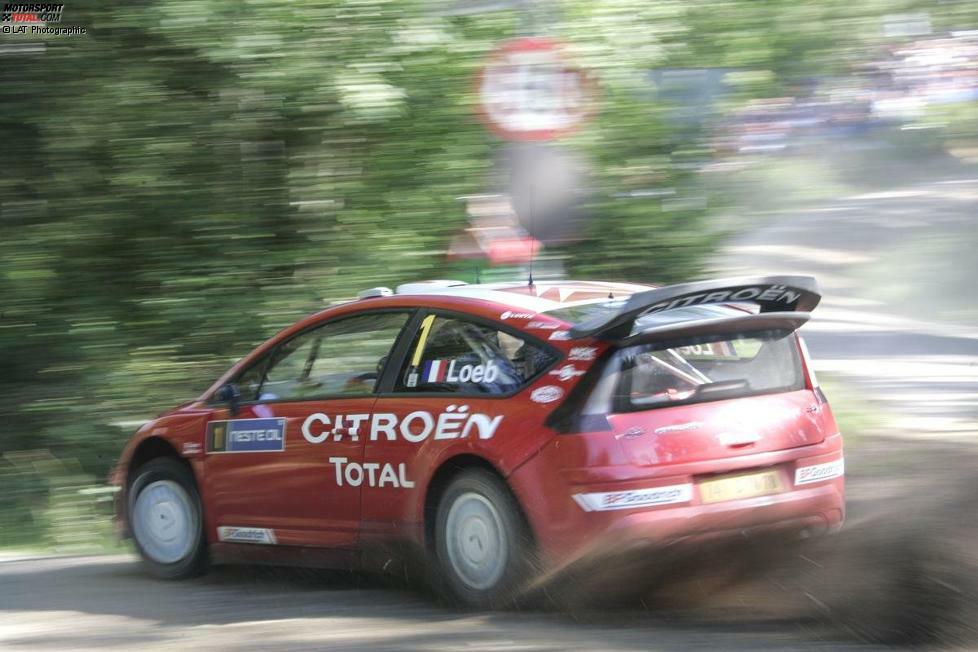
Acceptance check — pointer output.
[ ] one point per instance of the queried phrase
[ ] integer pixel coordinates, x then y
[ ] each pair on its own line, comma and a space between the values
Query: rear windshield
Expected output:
650, 376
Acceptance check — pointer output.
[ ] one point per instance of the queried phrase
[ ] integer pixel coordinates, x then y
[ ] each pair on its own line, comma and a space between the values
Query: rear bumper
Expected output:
567, 528
809, 511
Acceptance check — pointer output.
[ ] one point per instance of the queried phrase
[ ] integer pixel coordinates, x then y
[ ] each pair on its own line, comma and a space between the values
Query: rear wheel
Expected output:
482, 541
166, 520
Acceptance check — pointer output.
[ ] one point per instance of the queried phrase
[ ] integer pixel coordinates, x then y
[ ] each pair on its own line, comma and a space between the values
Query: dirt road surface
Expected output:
104, 603
905, 355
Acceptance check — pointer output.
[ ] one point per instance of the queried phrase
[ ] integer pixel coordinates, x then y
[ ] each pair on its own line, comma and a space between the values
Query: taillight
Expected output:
810, 377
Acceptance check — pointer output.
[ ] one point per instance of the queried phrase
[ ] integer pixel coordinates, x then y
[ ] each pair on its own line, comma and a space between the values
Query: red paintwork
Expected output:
292, 492
578, 464
295, 493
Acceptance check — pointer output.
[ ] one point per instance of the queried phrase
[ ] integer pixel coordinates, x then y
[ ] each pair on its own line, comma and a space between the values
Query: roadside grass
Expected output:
50, 505
936, 271
763, 188
789, 181
857, 417
752, 190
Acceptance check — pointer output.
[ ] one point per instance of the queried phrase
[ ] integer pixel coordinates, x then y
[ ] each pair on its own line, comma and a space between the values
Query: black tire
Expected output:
479, 495
189, 557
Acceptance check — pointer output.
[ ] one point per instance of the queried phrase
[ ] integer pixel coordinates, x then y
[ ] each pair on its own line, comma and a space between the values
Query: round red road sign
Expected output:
529, 91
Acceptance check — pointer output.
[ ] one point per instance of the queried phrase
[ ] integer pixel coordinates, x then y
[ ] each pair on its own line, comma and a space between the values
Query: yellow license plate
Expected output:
747, 485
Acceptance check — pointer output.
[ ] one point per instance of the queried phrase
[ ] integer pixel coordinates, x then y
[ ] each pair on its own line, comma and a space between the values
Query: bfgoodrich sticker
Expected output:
605, 501
820, 472
235, 534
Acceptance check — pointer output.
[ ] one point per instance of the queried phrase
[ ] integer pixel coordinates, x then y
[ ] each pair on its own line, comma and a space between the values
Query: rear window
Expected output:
651, 376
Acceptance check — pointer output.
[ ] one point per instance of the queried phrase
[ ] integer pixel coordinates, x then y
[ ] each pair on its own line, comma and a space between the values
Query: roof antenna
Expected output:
532, 239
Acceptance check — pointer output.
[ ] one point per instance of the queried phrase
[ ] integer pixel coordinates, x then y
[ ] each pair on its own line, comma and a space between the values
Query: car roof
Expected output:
542, 296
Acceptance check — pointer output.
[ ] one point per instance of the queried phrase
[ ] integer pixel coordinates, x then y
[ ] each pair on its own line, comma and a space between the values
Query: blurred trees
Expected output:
195, 174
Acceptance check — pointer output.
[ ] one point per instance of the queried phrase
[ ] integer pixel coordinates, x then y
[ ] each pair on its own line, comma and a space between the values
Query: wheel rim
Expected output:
165, 521
476, 541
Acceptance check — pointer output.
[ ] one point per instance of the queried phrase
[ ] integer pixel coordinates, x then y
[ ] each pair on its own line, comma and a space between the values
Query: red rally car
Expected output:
487, 424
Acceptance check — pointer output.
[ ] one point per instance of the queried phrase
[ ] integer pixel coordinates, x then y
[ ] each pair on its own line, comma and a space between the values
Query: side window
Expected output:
343, 357
249, 382
460, 356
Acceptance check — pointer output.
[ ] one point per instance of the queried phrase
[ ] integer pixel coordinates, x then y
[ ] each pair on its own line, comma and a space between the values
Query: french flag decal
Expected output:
435, 371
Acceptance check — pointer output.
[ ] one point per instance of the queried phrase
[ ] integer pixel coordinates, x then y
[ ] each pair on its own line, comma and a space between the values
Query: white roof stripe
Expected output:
502, 293
484, 293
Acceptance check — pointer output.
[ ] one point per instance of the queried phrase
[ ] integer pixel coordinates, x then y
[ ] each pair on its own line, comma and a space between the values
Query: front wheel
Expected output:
482, 542
165, 520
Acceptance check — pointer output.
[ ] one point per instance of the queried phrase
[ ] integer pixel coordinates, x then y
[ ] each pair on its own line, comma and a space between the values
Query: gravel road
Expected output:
920, 372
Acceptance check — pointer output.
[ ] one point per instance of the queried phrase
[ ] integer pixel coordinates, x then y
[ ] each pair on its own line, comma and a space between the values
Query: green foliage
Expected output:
24, 490
204, 173
52, 503
195, 174
958, 127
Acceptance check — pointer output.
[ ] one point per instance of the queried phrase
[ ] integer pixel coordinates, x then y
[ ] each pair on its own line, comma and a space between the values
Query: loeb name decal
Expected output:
454, 423
246, 436
450, 371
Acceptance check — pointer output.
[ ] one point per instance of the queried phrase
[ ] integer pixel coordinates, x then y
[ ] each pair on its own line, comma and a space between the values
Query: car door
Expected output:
452, 384
271, 468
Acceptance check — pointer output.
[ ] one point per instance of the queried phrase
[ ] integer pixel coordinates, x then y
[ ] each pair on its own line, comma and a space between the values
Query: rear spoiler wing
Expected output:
782, 294
705, 330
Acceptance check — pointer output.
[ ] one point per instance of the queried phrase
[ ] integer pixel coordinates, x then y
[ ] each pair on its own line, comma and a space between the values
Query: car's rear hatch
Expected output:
700, 382
718, 429
700, 396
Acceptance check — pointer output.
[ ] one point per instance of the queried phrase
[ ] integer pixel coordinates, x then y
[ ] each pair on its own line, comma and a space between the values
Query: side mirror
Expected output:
231, 395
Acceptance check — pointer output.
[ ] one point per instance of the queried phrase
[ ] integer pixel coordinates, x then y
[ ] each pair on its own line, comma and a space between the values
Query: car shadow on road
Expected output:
111, 603
910, 509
